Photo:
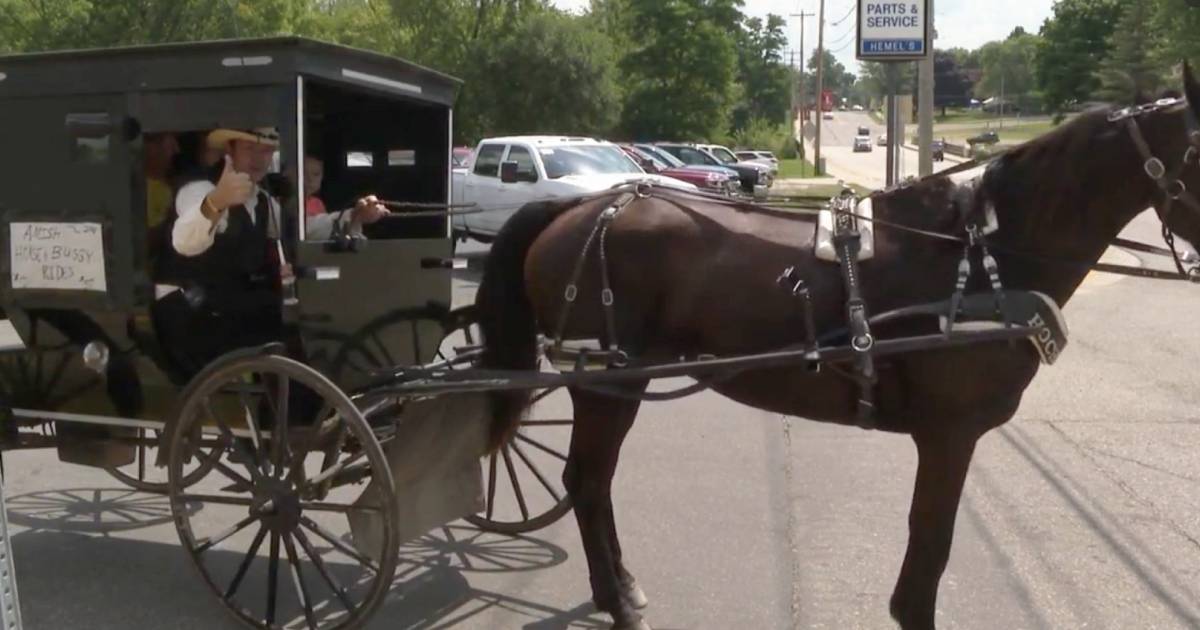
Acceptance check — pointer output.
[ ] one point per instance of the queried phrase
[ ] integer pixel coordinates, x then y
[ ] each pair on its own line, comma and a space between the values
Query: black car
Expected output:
987, 137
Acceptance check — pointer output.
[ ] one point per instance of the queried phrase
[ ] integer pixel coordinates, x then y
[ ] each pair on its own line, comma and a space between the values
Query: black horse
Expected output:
694, 276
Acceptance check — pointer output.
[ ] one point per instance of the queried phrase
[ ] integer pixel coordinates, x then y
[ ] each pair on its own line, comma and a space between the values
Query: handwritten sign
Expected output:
57, 256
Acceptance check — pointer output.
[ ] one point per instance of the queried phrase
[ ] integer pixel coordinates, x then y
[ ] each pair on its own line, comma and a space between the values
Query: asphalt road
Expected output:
1083, 512
866, 168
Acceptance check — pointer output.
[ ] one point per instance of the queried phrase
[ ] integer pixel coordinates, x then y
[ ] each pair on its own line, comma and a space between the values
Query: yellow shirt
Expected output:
158, 201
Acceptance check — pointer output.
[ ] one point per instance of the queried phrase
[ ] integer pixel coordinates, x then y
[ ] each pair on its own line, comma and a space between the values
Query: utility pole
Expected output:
800, 78
820, 96
925, 105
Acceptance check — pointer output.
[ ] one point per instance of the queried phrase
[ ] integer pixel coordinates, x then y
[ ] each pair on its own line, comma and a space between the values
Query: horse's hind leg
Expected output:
942, 465
601, 423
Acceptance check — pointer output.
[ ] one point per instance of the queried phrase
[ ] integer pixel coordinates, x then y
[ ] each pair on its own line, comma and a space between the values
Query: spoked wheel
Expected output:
271, 534
524, 478
144, 474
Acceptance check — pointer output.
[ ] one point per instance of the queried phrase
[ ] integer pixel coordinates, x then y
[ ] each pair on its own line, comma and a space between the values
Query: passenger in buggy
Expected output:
219, 283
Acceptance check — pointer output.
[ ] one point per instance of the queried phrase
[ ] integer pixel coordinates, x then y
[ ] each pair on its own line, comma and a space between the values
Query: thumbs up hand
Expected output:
233, 189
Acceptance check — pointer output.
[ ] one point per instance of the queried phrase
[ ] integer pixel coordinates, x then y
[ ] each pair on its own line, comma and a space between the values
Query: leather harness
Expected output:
847, 242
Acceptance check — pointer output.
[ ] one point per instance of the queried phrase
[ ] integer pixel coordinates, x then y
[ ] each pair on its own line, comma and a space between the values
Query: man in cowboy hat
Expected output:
220, 280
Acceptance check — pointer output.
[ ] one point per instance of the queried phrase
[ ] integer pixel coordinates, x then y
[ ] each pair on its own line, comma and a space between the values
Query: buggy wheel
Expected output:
525, 492
143, 474
271, 533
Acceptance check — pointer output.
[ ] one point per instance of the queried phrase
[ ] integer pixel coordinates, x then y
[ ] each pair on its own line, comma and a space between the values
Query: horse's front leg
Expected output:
943, 459
601, 424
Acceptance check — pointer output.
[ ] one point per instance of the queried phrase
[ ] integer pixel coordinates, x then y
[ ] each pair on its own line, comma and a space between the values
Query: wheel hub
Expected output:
278, 503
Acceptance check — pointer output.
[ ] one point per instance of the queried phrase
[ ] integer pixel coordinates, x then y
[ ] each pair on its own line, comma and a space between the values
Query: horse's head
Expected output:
1182, 161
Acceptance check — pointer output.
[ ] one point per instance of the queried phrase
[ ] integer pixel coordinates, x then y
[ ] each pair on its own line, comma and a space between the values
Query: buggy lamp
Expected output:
95, 357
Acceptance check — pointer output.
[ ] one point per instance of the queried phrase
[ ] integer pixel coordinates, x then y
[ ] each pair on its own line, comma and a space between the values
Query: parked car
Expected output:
726, 156
722, 183
987, 137
755, 178
460, 156
670, 159
506, 173
827, 116
857, 108
881, 140
765, 157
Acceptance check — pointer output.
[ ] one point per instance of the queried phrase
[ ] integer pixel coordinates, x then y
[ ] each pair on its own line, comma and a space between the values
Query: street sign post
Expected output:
893, 31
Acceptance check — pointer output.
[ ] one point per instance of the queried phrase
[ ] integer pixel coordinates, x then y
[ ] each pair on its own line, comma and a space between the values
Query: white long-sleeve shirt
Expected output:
193, 233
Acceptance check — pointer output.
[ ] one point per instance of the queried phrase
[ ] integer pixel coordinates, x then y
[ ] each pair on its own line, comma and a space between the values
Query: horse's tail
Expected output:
506, 316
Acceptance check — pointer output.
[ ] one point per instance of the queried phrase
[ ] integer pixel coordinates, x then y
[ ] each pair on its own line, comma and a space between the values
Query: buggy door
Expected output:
69, 239
380, 302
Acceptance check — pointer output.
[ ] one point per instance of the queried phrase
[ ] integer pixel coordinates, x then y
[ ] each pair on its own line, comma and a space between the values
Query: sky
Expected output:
959, 23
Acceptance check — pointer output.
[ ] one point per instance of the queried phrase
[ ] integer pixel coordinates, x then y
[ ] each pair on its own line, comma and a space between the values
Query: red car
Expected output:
460, 156
703, 179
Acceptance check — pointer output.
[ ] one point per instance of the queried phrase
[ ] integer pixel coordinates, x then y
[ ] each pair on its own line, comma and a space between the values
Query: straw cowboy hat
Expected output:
220, 138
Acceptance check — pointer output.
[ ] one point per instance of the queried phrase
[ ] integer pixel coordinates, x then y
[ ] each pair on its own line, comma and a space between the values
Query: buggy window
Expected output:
360, 159
89, 135
487, 163
402, 157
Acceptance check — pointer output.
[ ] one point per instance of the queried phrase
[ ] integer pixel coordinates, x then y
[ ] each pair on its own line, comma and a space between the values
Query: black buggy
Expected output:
282, 469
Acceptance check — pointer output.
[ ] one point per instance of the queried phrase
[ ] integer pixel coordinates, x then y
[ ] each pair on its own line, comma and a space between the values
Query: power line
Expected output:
845, 17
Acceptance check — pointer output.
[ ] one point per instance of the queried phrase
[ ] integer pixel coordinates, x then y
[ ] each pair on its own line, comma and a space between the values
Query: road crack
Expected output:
1090, 453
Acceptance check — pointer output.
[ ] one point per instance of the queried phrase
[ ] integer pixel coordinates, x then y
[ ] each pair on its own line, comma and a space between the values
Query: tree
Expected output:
1177, 22
765, 82
835, 77
1074, 43
1130, 70
874, 78
952, 88
681, 72
565, 83
1008, 67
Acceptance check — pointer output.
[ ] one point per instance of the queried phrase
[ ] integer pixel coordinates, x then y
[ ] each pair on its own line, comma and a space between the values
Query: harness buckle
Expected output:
606, 296
1175, 189
1155, 168
642, 190
571, 293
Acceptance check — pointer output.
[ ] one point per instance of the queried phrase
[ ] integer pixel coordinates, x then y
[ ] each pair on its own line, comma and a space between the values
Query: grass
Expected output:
961, 116
1008, 134
795, 169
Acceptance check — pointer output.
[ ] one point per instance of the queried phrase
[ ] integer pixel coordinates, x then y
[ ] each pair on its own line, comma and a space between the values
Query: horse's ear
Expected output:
1191, 87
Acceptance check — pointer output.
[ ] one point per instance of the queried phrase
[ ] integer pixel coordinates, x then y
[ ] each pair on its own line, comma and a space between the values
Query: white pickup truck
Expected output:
506, 173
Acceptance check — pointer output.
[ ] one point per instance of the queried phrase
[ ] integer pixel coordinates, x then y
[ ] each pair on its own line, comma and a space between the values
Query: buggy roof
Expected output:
218, 64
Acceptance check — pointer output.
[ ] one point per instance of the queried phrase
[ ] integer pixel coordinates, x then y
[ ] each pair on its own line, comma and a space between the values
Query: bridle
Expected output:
1169, 183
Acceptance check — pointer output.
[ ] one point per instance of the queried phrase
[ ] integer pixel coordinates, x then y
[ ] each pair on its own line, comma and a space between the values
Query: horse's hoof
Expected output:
634, 596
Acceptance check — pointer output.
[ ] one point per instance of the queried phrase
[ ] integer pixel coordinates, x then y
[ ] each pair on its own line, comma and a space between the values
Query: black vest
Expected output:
237, 269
